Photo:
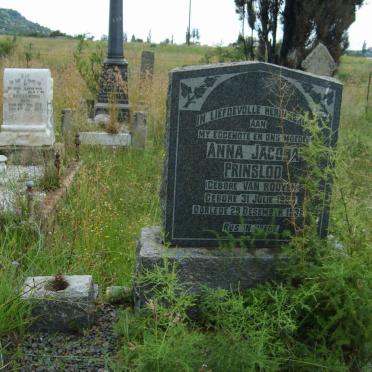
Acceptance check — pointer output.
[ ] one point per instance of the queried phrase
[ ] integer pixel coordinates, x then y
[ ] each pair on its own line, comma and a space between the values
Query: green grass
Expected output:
112, 199
117, 194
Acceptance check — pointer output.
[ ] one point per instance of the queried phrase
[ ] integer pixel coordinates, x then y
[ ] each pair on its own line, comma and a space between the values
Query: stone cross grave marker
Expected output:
233, 163
28, 108
319, 62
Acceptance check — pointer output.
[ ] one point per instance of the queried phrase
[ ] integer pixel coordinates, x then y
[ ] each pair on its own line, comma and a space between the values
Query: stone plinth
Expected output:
236, 269
105, 139
114, 89
71, 309
31, 155
28, 108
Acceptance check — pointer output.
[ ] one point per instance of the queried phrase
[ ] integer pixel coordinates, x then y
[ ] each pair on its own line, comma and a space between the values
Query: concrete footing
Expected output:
237, 269
69, 310
27, 155
105, 139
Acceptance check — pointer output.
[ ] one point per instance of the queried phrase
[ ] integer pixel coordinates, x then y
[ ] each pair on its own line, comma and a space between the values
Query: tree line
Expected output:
305, 23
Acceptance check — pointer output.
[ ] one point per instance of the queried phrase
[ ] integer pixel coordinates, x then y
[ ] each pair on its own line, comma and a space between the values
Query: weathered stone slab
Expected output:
237, 269
3, 161
28, 108
105, 139
31, 155
320, 62
233, 164
139, 129
13, 186
71, 309
66, 121
147, 64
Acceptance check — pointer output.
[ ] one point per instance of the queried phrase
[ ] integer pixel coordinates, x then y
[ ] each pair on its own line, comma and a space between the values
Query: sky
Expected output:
215, 19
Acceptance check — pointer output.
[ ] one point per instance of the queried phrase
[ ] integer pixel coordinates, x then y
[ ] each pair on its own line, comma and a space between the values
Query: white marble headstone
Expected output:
320, 62
28, 108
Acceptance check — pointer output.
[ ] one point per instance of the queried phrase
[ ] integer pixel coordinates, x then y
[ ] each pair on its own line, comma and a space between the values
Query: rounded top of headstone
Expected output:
31, 71
3, 159
102, 119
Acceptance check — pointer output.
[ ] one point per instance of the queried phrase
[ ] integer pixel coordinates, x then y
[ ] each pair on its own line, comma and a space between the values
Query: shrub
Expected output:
7, 46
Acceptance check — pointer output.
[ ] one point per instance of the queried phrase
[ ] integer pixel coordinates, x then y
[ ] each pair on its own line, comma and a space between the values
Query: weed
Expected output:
58, 283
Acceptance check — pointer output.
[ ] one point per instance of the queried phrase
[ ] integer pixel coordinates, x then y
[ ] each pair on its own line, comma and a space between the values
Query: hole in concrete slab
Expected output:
58, 283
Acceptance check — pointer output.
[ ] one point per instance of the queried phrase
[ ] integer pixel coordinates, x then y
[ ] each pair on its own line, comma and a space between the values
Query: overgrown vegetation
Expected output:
89, 58
305, 24
317, 318
7, 46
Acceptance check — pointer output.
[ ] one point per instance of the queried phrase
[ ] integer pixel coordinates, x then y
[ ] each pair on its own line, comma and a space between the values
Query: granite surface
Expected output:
233, 164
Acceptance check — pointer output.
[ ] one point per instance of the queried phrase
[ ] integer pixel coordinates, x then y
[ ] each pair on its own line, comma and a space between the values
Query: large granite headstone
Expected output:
233, 169
233, 164
319, 62
28, 108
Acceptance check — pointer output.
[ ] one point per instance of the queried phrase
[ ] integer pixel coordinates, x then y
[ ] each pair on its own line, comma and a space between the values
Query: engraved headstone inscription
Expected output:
28, 108
233, 165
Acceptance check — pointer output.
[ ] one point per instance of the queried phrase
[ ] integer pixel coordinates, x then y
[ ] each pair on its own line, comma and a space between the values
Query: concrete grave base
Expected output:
198, 267
34, 139
68, 310
28, 155
105, 139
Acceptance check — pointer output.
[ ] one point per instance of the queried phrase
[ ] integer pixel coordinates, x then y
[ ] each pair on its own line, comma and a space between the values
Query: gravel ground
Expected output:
66, 352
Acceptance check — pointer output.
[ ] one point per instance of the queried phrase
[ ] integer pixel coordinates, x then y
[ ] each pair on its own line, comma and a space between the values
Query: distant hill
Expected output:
13, 23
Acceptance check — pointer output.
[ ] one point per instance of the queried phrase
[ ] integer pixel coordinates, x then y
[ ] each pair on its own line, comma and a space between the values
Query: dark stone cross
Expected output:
113, 91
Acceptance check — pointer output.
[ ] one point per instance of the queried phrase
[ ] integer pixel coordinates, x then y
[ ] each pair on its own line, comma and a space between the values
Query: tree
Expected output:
188, 36
195, 34
308, 22
57, 33
262, 16
305, 24
241, 6
364, 48
148, 39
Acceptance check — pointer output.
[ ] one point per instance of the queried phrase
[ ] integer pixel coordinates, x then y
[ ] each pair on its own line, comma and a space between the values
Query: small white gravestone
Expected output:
28, 108
319, 62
